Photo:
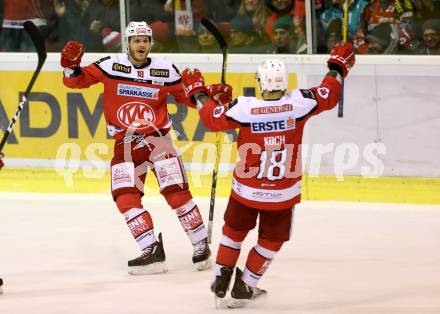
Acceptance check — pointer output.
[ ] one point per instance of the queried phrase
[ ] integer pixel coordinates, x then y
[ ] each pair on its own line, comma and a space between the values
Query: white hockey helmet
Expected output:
272, 75
138, 29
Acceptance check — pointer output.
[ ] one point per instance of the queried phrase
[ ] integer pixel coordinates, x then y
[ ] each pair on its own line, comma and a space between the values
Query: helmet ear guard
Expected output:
271, 76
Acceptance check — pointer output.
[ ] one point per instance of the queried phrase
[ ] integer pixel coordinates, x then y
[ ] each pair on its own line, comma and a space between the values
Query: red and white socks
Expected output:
258, 261
227, 255
140, 224
192, 222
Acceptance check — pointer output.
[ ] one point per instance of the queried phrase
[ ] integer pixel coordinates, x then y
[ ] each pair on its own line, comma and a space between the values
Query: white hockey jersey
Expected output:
268, 175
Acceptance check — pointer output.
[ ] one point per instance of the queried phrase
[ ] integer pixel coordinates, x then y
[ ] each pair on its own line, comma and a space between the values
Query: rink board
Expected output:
388, 138
323, 188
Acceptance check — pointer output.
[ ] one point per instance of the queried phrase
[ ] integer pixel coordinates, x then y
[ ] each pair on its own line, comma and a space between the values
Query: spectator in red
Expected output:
294, 8
13, 38
375, 13
378, 12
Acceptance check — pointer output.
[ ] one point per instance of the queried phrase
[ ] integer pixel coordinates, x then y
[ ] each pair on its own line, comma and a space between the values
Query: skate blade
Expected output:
206, 264
155, 268
237, 303
220, 303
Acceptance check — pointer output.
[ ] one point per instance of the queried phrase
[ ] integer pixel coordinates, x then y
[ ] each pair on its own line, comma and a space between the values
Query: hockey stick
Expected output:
344, 39
38, 41
224, 47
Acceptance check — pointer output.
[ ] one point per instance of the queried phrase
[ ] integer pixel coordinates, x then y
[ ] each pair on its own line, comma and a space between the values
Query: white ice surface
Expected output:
68, 254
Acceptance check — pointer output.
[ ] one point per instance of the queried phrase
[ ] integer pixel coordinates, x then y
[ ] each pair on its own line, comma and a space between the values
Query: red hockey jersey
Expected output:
268, 175
135, 98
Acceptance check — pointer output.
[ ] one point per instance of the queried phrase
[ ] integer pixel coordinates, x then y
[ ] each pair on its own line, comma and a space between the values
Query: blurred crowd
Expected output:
382, 26
250, 26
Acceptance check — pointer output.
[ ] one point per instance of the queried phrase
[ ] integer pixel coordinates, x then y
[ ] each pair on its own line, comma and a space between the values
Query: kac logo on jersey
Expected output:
273, 125
136, 114
138, 91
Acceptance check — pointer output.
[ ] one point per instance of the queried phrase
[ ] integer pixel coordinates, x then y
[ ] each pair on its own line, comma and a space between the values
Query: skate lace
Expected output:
200, 247
147, 252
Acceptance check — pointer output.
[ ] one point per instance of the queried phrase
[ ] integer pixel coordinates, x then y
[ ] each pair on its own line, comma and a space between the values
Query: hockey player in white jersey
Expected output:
136, 88
267, 179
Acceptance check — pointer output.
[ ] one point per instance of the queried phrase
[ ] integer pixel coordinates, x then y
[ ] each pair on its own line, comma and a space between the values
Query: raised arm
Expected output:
74, 75
341, 60
212, 113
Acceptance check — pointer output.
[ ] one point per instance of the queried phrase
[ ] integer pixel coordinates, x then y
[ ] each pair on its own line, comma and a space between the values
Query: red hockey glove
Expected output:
71, 54
220, 92
341, 59
193, 82
1, 161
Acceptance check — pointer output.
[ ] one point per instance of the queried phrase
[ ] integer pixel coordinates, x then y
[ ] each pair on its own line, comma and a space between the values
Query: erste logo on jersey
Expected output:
136, 114
138, 91
273, 125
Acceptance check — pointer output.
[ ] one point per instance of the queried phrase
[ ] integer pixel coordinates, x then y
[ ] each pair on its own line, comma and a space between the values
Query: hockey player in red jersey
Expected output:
267, 180
136, 87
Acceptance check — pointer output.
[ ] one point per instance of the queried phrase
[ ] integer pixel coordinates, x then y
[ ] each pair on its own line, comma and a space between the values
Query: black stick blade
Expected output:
213, 29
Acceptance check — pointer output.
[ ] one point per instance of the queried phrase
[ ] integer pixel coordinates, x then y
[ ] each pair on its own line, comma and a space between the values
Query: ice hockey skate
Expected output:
201, 255
221, 283
152, 260
220, 286
243, 294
